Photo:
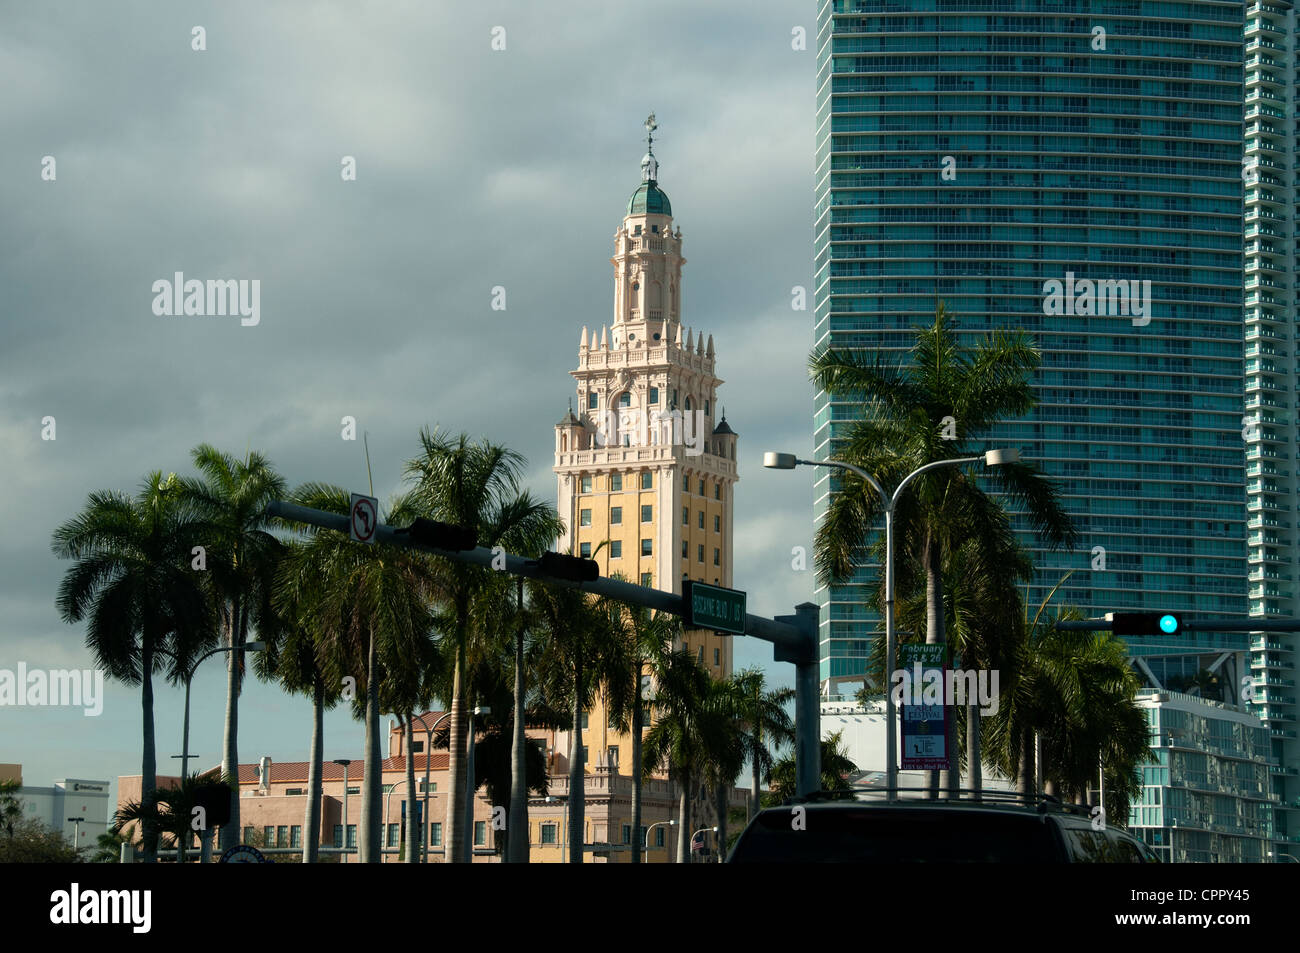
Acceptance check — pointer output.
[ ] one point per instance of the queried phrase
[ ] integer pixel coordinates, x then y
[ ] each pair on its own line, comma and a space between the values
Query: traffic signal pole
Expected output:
1237, 624
793, 637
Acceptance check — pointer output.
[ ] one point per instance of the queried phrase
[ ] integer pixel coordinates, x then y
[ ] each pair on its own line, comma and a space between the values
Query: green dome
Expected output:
649, 199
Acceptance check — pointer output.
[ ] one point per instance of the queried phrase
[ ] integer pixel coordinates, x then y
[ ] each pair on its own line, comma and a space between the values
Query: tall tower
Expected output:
648, 461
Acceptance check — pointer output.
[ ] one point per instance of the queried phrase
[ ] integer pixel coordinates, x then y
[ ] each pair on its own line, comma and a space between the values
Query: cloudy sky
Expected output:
475, 168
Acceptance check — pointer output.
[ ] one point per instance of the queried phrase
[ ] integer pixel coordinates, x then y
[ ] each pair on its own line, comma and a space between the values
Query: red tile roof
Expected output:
287, 771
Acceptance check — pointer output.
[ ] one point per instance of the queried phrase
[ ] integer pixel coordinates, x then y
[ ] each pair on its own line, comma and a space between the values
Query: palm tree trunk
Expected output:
684, 820
453, 845
412, 831
720, 839
753, 806
148, 757
370, 792
974, 769
517, 826
1025, 782
576, 790
235, 630
934, 635
311, 820
636, 770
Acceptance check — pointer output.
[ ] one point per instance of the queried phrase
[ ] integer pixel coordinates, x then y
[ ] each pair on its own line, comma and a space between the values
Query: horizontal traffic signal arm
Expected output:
790, 642
1237, 624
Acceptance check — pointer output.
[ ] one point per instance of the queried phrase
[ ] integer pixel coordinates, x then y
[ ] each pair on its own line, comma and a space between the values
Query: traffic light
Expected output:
1146, 623
572, 568
442, 535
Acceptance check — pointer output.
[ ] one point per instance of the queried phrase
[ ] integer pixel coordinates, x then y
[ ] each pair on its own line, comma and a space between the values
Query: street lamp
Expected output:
470, 788
343, 859
1282, 853
646, 846
185, 740
788, 461
428, 757
701, 831
388, 802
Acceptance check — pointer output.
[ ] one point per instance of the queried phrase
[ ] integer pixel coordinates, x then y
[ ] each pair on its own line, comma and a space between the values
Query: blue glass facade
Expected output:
974, 151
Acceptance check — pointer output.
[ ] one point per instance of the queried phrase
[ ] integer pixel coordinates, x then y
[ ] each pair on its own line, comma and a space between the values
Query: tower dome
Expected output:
649, 199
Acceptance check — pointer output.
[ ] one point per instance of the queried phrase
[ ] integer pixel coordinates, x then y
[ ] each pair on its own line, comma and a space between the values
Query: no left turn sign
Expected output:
364, 518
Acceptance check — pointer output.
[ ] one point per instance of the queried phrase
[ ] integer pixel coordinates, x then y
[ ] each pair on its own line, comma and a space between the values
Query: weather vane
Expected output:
650, 127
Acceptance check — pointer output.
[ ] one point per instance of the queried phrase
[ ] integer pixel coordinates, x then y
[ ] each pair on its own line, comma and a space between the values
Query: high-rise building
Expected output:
1072, 168
646, 466
1272, 335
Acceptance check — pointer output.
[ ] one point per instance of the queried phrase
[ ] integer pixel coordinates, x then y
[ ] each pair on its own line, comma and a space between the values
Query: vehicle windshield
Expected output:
891, 835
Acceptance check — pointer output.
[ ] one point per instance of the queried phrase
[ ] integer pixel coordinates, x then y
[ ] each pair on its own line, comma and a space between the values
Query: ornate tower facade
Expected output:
644, 459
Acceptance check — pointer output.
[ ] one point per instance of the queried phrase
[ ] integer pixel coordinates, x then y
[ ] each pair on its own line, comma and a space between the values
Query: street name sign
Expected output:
713, 607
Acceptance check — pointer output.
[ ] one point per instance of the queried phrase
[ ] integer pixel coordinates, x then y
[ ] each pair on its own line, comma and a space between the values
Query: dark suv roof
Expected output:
994, 830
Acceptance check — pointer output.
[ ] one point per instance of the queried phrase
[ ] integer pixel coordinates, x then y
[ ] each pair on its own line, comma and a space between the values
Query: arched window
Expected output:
625, 399
688, 403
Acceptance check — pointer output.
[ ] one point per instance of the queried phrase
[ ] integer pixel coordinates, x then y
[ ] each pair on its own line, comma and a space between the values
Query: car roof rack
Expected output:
967, 797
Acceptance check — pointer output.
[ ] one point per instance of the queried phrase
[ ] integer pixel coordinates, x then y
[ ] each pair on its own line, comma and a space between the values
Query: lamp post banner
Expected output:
919, 683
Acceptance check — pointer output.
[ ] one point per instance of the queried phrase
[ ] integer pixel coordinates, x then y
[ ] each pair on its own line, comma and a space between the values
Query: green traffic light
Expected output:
1169, 624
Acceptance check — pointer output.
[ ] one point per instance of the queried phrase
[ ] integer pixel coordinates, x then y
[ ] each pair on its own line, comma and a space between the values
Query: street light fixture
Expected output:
645, 848
701, 831
428, 757
185, 740
788, 461
76, 834
470, 789
343, 859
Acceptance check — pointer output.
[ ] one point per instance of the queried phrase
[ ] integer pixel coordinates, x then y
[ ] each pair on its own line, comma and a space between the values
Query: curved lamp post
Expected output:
788, 461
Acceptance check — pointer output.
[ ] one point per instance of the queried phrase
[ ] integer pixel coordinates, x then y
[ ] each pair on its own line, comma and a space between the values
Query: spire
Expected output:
690, 339
582, 343
709, 349
604, 339
678, 339
699, 344
649, 164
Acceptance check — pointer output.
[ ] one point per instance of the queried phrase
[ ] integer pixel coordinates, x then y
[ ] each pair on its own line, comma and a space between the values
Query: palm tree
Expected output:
171, 810
375, 603
475, 486
586, 654
682, 736
108, 845
907, 408
726, 736
836, 768
649, 637
766, 723
292, 628
11, 808
231, 495
133, 585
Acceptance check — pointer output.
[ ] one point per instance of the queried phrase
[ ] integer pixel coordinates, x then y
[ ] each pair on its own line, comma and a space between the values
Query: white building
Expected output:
69, 797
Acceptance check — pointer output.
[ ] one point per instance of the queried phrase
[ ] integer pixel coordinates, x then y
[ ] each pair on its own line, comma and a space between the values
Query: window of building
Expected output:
706, 408
480, 833
548, 834
717, 557
717, 656
717, 524
655, 229
295, 835
685, 550
429, 788
585, 550
625, 399
688, 403
654, 395
616, 481
647, 547
352, 835
701, 519
615, 549
647, 513
647, 579
701, 486
593, 400
686, 516
354, 790
627, 833
637, 231
701, 653
674, 406
586, 718
248, 833
584, 754
435, 834
268, 836
615, 514
586, 484
699, 553
417, 747
295, 792
647, 480
338, 835
641, 834
686, 483
584, 517
659, 837
717, 491
394, 834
